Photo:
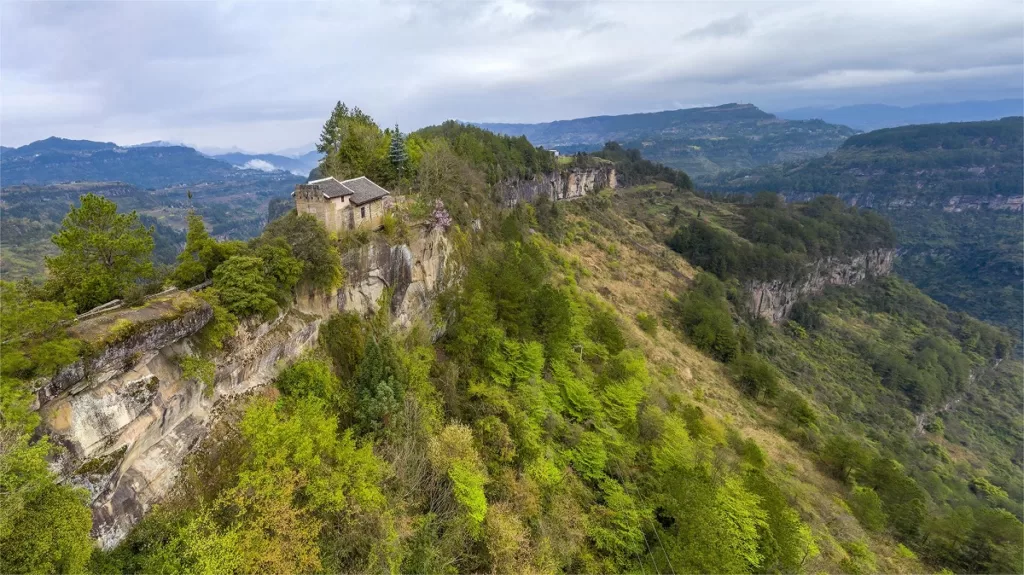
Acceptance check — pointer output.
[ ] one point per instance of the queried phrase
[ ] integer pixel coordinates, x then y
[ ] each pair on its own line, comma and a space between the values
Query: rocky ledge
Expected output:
773, 300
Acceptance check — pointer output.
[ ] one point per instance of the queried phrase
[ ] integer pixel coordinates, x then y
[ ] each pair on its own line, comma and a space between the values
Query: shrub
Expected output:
755, 376
648, 323
202, 370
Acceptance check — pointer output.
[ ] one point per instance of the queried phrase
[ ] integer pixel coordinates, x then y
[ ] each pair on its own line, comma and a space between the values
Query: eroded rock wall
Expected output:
414, 271
130, 419
773, 300
127, 416
564, 184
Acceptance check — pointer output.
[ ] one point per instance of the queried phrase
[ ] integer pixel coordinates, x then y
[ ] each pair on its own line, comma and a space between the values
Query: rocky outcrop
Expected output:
564, 184
414, 272
127, 416
773, 300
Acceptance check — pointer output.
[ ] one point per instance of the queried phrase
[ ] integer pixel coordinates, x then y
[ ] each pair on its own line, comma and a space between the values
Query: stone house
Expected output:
343, 205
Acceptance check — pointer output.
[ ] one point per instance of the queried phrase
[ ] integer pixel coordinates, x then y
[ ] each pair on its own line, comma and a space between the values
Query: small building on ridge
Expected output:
343, 205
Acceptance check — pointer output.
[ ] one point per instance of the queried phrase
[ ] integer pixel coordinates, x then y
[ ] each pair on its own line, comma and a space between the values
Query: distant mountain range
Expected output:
953, 192
701, 141
150, 165
875, 116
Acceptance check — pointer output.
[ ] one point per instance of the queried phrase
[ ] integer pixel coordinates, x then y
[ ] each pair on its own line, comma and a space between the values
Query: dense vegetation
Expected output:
539, 431
912, 165
631, 169
913, 406
528, 438
701, 141
233, 209
781, 239
944, 187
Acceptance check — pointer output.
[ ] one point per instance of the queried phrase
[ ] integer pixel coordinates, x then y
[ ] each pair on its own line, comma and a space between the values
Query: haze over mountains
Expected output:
151, 165
874, 116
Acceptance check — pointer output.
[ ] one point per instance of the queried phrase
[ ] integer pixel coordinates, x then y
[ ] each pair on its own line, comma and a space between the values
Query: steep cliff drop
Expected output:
563, 184
127, 416
773, 300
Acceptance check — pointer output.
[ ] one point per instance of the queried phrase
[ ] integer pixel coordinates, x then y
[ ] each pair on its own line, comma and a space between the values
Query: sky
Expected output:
264, 76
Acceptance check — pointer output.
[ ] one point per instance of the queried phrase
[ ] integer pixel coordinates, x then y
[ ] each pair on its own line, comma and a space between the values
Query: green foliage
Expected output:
102, 253
199, 369
867, 508
704, 315
311, 245
589, 456
44, 525
648, 323
500, 157
311, 377
354, 145
202, 254
33, 341
242, 287
379, 387
781, 238
220, 327
632, 170
343, 338
755, 376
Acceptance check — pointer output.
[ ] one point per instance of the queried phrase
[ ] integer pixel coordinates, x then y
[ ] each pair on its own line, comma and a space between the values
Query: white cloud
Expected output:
261, 165
264, 76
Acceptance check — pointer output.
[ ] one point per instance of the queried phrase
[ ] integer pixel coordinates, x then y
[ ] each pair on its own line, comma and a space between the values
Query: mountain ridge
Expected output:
701, 141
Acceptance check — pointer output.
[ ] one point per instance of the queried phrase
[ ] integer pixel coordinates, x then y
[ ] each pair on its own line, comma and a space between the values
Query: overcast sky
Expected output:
264, 76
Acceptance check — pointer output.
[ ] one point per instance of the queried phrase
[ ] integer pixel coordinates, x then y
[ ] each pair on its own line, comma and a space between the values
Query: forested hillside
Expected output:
235, 208
579, 398
953, 193
700, 141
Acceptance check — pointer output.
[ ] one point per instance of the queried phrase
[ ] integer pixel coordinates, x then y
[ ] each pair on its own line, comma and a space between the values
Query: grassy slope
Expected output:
633, 280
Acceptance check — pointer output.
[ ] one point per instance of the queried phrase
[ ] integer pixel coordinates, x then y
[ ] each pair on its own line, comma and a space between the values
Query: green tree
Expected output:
378, 386
202, 254
44, 525
102, 253
397, 154
310, 244
243, 288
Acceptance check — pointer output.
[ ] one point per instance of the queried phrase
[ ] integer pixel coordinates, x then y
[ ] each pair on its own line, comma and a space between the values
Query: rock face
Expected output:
128, 417
127, 429
773, 300
414, 272
565, 184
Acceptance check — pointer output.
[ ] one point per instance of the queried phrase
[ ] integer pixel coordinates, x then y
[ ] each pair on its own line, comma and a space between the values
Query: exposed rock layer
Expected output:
128, 418
565, 184
773, 300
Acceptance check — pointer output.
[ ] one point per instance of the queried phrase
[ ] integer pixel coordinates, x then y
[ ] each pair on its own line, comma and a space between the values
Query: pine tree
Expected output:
330, 135
397, 154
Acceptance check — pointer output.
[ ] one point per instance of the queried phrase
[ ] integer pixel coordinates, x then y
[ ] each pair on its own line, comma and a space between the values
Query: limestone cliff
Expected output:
126, 415
563, 184
415, 271
773, 300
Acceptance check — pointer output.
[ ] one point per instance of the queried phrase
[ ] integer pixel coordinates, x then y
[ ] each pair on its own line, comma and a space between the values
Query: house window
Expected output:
362, 212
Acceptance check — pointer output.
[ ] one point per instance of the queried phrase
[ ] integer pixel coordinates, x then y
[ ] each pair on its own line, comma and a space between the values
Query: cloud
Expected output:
261, 165
737, 25
264, 76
